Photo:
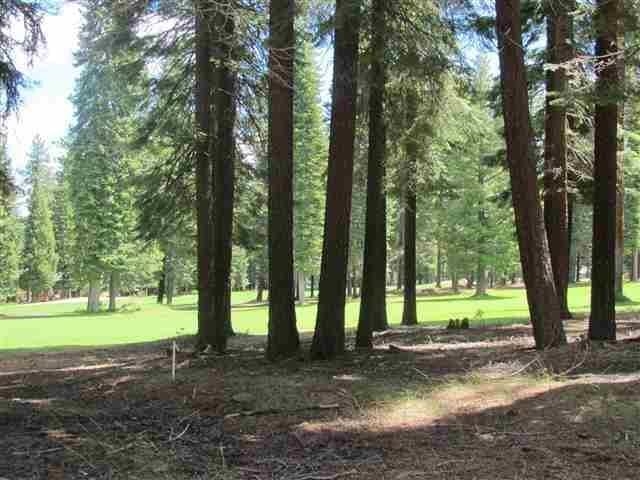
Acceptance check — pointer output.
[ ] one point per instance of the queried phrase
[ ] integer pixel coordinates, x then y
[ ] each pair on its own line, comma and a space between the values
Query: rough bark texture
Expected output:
302, 288
223, 177
410, 313
634, 265
544, 308
602, 323
556, 214
203, 91
329, 337
373, 303
283, 340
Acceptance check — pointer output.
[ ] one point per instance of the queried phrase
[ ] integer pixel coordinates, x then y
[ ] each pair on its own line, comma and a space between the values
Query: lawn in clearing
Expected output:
60, 324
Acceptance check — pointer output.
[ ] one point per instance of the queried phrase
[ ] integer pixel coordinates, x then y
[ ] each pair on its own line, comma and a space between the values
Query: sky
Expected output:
46, 109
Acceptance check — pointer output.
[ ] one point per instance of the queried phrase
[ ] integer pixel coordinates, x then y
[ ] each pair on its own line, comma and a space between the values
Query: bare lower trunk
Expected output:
481, 282
438, 266
556, 212
302, 294
223, 176
373, 304
329, 335
634, 265
93, 303
544, 308
313, 286
114, 280
602, 322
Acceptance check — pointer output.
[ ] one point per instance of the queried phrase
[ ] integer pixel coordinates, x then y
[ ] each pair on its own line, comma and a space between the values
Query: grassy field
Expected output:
61, 324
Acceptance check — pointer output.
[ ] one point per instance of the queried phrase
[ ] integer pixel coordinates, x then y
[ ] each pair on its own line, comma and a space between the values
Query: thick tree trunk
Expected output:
373, 304
93, 302
543, 302
410, 312
556, 213
114, 280
283, 340
481, 282
602, 323
223, 175
634, 265
620, 173
329, 336
203, 97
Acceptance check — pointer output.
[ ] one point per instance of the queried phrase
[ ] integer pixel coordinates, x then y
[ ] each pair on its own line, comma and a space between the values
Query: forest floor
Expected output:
427, 403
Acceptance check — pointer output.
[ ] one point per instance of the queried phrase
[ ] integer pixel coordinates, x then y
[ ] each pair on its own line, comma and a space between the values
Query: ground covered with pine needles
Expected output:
427, 403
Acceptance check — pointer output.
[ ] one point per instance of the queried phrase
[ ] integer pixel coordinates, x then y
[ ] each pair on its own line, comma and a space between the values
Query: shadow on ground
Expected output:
425, 403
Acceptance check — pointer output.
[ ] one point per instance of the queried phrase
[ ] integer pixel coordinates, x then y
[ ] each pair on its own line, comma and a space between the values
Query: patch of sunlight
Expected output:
441, 404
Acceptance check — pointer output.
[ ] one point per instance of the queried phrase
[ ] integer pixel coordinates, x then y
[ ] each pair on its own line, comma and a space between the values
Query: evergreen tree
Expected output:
39, 255
63, 224
310, 158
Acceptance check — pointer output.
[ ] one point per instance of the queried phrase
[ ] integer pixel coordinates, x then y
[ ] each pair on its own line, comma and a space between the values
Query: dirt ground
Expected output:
425, 404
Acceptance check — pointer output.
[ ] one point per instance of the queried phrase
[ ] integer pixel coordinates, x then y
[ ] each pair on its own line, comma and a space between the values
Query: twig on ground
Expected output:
276, 411
327, 477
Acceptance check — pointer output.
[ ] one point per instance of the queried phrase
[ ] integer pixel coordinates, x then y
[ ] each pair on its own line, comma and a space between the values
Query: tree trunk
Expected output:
313, 286
170, 277
114, 279
203, 95
223, 176
544, 307
302, 294
578, 267
93, 303
556, 213
634, 265
373, 304
283, 340
162, 282
410, 312
620, 173
454, 280
481, 282
329, 336
602, 322
438, 265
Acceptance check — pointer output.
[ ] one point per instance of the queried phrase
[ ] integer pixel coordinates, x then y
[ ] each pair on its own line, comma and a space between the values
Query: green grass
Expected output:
141, 319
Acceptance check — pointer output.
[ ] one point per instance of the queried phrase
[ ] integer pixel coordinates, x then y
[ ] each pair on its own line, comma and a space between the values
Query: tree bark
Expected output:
283, 340
302, 285
203, 99
556, 213
481, 283
620, 61
373, 303
223, 175
162, 282
544, 307
313, 286
410, 311
634, 265
114, 279
602, 322
329, 336
93, 302
170, 277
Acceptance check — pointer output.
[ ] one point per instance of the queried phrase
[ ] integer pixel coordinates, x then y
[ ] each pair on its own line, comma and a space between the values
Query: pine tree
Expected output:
310, 159
63, 224
39, 256
100, 163
329, 336
283, 340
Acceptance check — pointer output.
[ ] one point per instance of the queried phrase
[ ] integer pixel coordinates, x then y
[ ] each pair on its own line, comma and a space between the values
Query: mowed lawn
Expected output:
60, 324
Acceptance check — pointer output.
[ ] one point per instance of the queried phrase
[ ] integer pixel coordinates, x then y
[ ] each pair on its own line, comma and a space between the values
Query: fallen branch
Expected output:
276, 411
327, 477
